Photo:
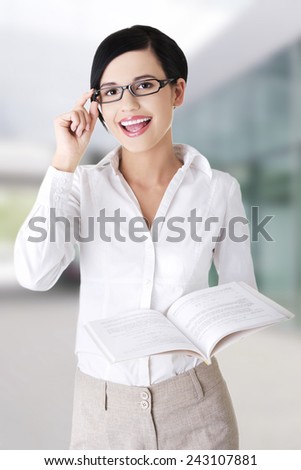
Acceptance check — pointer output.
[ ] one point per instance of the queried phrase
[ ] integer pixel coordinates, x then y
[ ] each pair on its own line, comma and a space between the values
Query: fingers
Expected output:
79, 120
94, 109
84, 98
93, 112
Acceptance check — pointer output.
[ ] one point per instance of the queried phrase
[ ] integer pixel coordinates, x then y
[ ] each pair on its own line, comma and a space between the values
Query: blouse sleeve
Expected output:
232, 253
45, 244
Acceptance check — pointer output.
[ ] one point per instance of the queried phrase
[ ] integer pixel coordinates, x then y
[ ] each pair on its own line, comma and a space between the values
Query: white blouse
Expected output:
124, 264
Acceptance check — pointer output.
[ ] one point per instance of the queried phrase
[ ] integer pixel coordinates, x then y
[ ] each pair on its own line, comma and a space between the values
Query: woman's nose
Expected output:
129, 101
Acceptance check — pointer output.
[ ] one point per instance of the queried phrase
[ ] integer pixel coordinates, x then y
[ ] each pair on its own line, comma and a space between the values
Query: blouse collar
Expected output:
187, 154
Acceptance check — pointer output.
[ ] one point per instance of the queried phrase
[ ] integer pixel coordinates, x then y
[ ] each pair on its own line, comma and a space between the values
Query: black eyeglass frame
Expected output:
162, 84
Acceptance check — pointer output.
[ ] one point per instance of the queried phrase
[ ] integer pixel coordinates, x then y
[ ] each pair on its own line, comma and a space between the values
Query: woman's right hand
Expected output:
73, 131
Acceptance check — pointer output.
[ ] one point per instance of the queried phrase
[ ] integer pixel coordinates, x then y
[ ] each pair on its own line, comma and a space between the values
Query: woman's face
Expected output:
156, 110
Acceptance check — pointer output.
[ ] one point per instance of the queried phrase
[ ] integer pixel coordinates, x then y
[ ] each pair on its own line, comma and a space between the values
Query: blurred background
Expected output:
243, 112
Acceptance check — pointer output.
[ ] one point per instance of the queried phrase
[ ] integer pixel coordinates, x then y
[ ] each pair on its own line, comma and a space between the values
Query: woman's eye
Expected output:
111, 92
106, 93
145, 85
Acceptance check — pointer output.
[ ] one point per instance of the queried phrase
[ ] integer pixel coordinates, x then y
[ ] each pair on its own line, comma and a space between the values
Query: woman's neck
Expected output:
154, 167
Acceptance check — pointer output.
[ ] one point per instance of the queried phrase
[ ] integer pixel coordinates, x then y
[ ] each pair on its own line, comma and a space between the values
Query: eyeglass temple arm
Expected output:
95, 95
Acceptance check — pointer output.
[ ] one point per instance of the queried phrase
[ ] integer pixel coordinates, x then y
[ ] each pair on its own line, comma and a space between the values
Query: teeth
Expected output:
135, 121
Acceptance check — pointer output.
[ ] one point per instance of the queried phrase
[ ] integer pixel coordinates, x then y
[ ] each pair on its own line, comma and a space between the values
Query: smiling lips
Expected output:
135, 126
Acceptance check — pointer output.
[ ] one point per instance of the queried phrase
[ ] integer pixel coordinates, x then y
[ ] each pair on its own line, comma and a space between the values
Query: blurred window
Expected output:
251, 128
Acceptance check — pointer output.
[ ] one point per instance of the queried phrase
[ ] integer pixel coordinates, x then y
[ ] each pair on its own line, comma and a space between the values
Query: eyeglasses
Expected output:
109, 94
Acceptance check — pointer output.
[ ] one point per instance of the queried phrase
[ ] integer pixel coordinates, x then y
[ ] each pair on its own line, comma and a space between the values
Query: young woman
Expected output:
124, 212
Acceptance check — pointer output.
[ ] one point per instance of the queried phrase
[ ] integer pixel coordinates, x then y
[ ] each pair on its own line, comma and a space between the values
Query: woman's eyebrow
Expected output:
141, 77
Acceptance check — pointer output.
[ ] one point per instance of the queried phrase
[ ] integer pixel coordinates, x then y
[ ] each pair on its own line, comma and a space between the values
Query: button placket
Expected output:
149, 268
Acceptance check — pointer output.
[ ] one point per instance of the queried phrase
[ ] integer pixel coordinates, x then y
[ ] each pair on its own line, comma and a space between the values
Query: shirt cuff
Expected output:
55, 188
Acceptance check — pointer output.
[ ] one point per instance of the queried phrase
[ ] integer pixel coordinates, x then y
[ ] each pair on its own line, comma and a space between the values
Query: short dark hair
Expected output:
138, 37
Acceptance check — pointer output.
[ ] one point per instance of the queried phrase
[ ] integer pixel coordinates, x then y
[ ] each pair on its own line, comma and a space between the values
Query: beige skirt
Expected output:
192, 410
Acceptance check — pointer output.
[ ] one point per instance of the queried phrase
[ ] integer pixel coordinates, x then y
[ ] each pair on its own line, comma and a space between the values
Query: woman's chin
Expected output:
136, 145
145, 143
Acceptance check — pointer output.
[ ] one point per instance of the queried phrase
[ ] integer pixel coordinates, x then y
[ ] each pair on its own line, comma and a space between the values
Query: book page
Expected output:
207, 315
137, 334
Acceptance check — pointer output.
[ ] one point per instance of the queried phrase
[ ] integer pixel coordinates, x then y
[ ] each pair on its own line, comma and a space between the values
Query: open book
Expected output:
199, 323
